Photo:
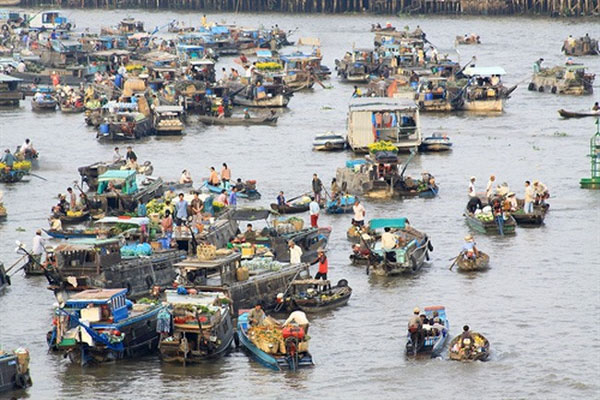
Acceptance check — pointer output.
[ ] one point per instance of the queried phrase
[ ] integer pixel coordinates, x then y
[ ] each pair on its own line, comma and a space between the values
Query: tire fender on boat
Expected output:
413, 262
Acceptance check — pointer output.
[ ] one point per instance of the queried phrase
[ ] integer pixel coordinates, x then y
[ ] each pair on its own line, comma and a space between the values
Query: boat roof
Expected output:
8, 78
83, 244
484, 71
166, 108
311, 282
108, 53
116, 174
120, 105
119, 220
203, 61
250, 214
194, 263
378, 223
264, 53
380, 103
96, 296
201, 298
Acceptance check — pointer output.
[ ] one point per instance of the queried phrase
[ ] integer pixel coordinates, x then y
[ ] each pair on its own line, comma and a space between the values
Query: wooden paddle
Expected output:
455, 260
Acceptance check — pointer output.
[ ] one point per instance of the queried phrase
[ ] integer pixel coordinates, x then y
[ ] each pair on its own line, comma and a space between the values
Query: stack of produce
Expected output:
267, 338
262, 264
268, 66
169, 123
485, 217
18, 166
382, 146
74, 213
193, 313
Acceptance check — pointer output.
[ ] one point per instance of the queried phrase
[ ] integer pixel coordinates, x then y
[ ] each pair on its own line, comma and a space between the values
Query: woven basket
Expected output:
206, 252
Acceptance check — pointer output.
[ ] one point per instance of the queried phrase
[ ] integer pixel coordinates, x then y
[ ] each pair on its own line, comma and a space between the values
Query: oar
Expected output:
38, 176
16, 262
297, 197
455, 260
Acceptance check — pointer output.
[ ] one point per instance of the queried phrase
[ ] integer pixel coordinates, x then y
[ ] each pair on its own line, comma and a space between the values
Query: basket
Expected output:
206, 252
298, 224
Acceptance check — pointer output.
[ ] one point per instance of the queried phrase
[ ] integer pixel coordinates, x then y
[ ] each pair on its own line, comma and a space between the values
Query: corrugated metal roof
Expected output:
380, 103
484, 71
8, 78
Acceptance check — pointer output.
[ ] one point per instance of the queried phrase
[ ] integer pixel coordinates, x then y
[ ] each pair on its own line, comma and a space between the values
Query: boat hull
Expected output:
490, 228
291, 209
208, 120
482, 262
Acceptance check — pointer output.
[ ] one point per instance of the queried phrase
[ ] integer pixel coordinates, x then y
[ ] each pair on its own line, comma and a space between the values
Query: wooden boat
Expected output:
246, 193
209, 120
433, 344
472, 39
14, 371
76, 218
71, 109
111, 330
13, 175
294, 357
202, 327
4, 278
329, 142
278, 100
479, 351
343, 205
316, 295
581, 114
44, 105
489, 226
71, 233
293, 208
535, 218
408, 257
436, 143
482, 262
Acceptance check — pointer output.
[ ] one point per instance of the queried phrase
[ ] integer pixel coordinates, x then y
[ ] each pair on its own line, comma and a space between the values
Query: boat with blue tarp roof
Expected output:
409, 253
100, 325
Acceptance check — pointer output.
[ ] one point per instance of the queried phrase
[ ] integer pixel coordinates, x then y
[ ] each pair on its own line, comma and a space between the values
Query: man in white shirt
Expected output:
295, 253
529, 198
117, 156
299, 318
359, 213
489, 189
388, 243
37, 246
314, 212
472, 192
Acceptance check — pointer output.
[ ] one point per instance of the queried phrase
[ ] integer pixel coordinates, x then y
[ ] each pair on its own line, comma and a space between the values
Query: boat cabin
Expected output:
87, 257
117, 182
99, 306
168, 120
129, 26
10, 92
371, 120
50, 20
484, 89
203, 70
433, 95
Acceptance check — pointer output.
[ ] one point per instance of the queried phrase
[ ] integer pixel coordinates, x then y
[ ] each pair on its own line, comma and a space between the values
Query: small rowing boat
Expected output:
71, 233
210, 120
436, 143
341, 205
480, 263
71, 109
45, 104
293, 208
478, 348
75, 218
329, 141
317, 295
486, 223
536, 218
582, 114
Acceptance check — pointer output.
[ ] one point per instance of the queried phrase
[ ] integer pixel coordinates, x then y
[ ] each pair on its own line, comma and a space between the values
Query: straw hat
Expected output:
468, 238
472, 178
416, 310
511, 194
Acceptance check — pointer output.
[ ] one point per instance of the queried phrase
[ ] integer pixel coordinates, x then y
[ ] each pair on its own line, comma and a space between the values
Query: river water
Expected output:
537, 304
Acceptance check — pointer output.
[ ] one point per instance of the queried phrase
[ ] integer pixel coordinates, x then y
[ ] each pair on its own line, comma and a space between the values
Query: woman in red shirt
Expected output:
323, 265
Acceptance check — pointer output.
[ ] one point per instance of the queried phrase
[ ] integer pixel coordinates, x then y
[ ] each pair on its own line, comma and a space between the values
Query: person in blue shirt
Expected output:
233, 198
181, 213
281, 199
8, 159
469, 250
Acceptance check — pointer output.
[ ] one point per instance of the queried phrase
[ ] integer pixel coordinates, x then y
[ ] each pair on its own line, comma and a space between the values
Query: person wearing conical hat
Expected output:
469, 250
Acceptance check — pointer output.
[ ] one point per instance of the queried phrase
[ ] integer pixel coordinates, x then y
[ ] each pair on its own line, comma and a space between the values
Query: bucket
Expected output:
428, 96
413, 85
104, 129
165, 243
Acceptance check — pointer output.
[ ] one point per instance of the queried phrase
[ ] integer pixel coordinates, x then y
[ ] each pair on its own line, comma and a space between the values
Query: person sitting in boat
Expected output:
541, 192
298, 318
537, 66
220, 111
186, 177
246, 114
250, 234
502, 190
415, 327
223, 197
256, 316
469, 250
8, 159
27, 149
38, 97
466, 339
335, 191
596, 107
389, 242
437, 326
281, 199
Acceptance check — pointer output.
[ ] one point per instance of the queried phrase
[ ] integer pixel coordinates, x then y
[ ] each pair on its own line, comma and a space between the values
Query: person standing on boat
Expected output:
489, 189
472, 192
225, 174
233, 198
469, 250
38, 246
596, 107
537, 66
498, 214
323, 265
359, 213
415, 327
221, 111
317, 187
197, 206
72, 199
388, 243
213, 179
541, 192
314, 213
295, 253
335, 191
181, 213
529, 198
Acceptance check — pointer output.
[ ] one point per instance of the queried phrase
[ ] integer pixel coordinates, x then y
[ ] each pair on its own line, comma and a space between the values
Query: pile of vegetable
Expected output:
155, 206
134, 67
262, 264
485, 217
382, 146
267, 338
18, 166
192, 313
268, 66
73, 213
